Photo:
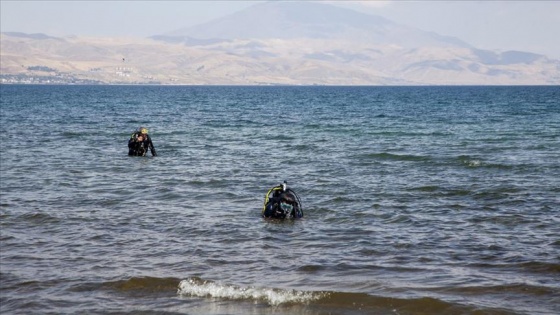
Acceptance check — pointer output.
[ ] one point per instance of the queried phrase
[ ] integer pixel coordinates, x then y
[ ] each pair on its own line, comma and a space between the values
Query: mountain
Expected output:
276, 42
297, 20
32, 36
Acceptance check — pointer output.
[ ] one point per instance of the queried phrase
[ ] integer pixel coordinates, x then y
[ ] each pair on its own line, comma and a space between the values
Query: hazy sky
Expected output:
532, 26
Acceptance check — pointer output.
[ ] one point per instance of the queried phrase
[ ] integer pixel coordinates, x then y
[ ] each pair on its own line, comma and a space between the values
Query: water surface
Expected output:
417, 200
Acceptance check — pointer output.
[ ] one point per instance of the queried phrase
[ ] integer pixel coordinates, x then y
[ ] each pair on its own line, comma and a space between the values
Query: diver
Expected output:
140, 142
282, 202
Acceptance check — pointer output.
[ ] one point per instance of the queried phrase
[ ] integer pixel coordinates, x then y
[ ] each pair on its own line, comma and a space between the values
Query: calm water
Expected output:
417, 200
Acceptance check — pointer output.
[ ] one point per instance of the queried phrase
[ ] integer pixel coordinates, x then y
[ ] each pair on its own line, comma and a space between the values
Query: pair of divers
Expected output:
281, 202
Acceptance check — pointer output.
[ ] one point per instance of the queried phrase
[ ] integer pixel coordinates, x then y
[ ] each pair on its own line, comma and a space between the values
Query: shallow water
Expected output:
417, 200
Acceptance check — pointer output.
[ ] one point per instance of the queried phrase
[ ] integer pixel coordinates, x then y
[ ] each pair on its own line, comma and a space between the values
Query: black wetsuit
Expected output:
140, 148
273, 208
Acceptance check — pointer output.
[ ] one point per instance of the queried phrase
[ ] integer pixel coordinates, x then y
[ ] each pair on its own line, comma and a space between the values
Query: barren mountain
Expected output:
276, 43
310, 20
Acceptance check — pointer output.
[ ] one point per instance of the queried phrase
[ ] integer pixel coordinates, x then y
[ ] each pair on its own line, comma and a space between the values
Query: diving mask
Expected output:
286, 207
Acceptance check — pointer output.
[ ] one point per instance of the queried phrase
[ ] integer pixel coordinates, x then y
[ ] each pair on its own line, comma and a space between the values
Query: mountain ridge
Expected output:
320, 49
291, 20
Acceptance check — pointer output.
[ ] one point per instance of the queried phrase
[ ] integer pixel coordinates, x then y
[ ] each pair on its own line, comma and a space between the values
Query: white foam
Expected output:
473, 163
273, 297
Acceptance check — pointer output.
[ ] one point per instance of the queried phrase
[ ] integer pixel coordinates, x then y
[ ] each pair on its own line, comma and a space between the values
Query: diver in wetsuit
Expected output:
140, 142
282, 202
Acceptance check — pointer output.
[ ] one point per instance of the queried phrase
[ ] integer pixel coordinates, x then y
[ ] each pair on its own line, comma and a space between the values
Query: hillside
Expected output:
273, 43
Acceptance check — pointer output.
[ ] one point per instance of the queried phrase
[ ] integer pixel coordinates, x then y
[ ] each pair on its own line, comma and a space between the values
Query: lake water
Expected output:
417, 200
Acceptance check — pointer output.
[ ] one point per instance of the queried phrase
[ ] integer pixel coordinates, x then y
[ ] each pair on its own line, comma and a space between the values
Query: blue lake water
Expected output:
417, 200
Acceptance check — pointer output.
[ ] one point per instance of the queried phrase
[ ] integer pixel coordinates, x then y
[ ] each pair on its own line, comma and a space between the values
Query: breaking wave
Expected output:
274, 297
